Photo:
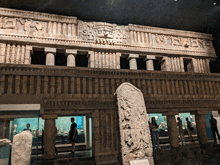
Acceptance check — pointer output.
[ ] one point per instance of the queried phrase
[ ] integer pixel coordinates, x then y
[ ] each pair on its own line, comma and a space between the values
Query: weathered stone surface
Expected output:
133, 123
21, 148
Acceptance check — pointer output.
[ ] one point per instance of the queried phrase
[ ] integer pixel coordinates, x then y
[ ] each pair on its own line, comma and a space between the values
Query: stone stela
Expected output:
134, 128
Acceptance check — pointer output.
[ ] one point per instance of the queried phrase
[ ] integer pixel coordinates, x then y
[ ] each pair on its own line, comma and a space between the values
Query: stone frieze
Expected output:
42, 28
21, 25
103, 33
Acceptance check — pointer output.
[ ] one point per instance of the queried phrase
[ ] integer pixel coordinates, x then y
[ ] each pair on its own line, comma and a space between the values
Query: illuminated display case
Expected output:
14, 119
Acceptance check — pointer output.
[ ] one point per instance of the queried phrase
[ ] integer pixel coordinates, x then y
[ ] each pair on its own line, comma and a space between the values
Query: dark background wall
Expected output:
192, 15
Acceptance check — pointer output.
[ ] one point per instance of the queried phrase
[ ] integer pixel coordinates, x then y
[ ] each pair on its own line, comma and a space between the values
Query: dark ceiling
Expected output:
194, 15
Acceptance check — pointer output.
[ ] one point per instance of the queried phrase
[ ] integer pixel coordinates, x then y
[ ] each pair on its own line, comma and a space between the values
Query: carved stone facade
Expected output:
134, 128
38, 29
70, 90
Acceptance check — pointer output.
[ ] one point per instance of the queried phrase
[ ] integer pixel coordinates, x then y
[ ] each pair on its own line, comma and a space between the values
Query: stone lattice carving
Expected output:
133, 123
103, 33
21, 148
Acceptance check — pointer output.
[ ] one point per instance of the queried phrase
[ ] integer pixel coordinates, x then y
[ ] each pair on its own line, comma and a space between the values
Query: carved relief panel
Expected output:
172, 39
22, 25
103, 33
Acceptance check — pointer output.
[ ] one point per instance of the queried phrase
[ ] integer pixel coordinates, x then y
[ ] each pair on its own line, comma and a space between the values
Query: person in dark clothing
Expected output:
213, 123
27, 127
189, 129
73, 134
181, 132
155, 134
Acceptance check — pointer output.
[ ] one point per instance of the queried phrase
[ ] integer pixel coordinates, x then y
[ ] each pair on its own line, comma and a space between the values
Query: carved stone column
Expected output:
201, 127
172, 129
50, 56
87, 133
4, 128
195, 65
71, 54
132, 61
149, 62
2, 52
118, 55
49, 136
91, 58
28, 52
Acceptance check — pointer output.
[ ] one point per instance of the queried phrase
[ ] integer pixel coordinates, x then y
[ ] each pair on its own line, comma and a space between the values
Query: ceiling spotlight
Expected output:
175, 0
216, 2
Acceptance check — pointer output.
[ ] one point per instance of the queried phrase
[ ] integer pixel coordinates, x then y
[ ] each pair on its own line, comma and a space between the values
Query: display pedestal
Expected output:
148, 161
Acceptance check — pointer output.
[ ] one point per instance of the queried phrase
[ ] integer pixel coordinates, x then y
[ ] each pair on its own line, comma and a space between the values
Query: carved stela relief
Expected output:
103, 33
133, 123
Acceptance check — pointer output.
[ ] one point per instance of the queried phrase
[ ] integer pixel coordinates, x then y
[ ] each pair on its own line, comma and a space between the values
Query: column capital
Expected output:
133, 56
170, 113
198, 112
49, 50
48, 117
71, 51
150, 57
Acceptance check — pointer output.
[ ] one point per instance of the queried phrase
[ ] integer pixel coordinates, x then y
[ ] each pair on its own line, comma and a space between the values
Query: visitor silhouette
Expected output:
73, 134
213, 123
189, 129
27, 127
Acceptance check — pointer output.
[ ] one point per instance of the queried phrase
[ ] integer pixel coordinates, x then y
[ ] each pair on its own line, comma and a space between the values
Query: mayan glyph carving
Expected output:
133, 123
103, 33
7, 23
21, 25
173, 39
162, 40
28, 24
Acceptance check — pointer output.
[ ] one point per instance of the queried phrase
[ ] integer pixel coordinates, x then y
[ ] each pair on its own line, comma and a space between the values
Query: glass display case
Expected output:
15, 119
162, 123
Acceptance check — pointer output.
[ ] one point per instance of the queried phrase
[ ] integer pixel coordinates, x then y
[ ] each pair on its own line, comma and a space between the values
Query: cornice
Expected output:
37, 15
172, 32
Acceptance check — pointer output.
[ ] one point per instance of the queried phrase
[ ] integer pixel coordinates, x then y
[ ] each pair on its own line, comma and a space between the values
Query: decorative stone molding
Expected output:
37, 15
169, 31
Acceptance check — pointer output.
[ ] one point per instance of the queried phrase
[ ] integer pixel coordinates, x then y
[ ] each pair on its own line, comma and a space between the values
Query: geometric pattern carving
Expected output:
103, 33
